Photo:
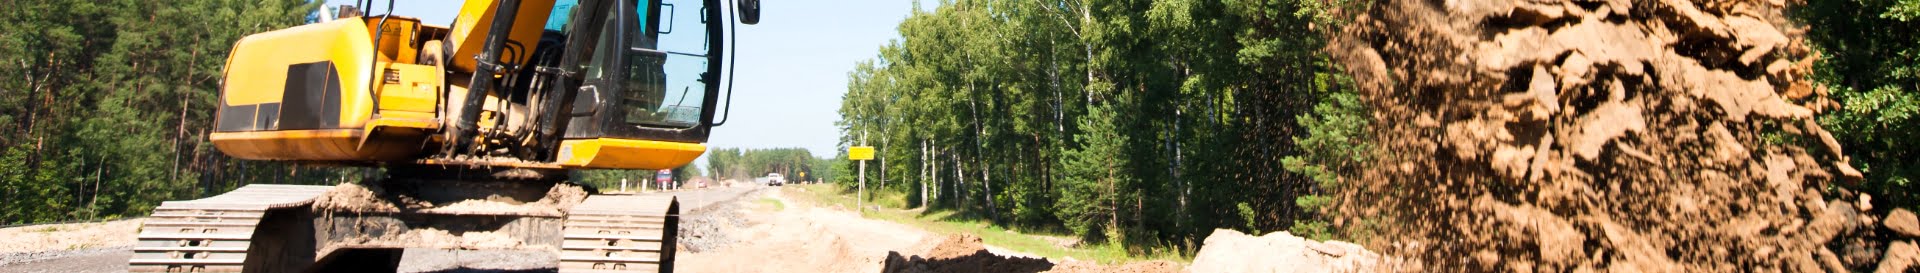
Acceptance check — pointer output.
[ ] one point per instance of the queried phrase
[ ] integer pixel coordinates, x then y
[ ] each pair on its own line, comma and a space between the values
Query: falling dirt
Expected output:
1648, 135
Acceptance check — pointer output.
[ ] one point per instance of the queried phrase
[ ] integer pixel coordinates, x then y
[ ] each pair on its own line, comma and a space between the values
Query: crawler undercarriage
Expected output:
364, 227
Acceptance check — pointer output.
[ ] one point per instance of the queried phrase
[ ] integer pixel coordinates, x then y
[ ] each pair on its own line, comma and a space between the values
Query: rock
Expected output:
1231, 251
1900, 257
1903, 222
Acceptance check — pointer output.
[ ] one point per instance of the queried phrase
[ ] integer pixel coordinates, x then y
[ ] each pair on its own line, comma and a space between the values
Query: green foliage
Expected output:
1136, 123
1094, 179
1903, 10
1870, 63
1334, 148
796, 164
104, 105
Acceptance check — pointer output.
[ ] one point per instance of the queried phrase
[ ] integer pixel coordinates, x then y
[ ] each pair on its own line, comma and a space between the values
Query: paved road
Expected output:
415, 260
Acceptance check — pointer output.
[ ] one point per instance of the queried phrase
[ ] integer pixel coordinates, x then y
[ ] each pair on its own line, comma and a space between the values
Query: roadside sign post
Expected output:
862, 154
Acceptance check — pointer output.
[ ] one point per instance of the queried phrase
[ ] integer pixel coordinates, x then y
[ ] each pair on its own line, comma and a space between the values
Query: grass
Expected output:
47, 229
776, 205
888, 206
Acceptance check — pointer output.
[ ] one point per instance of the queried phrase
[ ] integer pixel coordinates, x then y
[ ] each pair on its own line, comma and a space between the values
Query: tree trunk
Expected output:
933, 164
959, 182
1113, 202
180, 134
923, 173
883, 164
1173, 169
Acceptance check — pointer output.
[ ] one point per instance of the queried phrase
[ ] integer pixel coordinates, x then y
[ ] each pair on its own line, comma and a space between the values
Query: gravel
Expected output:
8, 260
702, 229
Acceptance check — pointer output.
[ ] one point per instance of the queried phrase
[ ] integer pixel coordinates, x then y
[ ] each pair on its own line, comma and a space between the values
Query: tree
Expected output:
102, 103
1870, 64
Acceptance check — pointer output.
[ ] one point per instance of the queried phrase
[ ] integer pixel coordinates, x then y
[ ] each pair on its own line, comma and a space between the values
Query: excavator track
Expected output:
621, 233
215, 234
282, 228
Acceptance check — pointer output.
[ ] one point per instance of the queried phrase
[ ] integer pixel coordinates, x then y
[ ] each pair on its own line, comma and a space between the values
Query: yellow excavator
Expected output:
473, 127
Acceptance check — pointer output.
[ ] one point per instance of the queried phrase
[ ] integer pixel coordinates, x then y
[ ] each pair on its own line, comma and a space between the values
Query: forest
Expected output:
105, 105
796, 164
1150, 123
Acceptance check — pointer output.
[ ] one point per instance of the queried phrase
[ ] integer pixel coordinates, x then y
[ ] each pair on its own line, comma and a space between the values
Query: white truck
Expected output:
773, 179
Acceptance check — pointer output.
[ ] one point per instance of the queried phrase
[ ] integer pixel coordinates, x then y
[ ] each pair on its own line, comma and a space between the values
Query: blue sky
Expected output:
792, 66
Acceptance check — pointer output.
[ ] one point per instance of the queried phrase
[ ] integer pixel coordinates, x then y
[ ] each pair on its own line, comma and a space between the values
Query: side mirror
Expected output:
749, 11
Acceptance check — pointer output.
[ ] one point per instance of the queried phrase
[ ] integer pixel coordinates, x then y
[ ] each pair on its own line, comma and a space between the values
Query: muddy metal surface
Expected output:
114, 258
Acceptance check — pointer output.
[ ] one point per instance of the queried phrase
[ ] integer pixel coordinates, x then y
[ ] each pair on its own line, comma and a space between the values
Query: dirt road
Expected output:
781, 235
105, 247
738, 229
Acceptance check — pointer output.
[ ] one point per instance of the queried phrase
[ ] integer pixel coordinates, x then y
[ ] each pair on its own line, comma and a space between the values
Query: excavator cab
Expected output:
648, 77
649, 72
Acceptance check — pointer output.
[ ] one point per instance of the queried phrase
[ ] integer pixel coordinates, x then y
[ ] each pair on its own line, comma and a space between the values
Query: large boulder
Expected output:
1231, 251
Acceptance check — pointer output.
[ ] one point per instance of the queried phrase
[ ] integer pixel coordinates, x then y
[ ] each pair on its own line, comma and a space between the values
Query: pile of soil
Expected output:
960, 253
1227, 250
392, 196
966, 253
1648, 135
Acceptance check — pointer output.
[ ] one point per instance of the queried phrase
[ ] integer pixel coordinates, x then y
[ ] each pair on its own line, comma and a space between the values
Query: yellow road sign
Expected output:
860, 153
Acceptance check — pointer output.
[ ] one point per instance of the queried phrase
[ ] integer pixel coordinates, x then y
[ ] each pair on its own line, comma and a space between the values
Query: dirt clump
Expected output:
394, 196
1228, 250
966, 253
1588, 135
959, 253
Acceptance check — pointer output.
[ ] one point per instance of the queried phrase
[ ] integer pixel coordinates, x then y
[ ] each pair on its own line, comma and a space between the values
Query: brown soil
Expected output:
1542, 135
374, 197
960, 253
966, 253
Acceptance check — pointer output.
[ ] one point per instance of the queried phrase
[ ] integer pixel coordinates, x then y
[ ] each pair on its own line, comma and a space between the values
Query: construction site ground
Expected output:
724, 229
106, 246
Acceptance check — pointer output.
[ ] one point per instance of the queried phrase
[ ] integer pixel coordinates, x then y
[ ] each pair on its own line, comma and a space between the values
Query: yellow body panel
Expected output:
470, 28
410, 90
610, 153
262, 68
256, 70
310, 145
396, 42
